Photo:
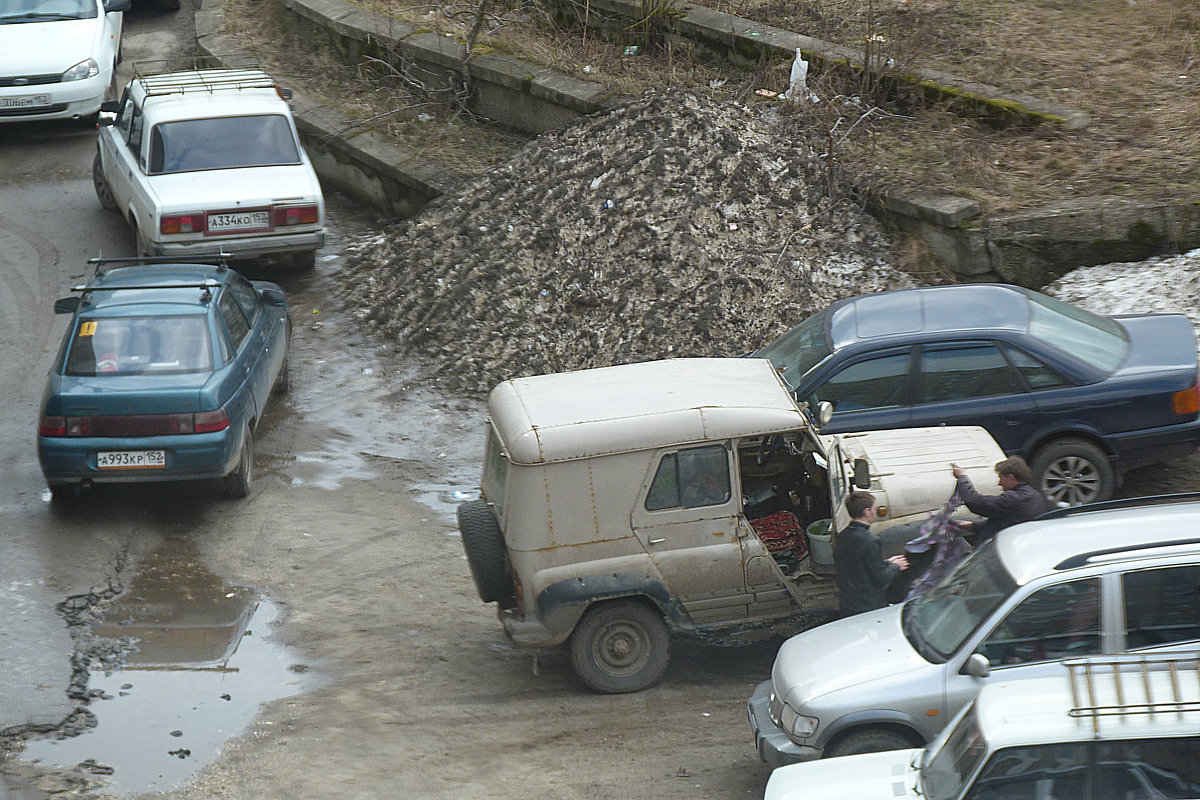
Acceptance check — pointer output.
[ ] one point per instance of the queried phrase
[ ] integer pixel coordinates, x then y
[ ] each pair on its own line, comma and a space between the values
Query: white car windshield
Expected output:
17, 11
938, 622
947, 768
223, 143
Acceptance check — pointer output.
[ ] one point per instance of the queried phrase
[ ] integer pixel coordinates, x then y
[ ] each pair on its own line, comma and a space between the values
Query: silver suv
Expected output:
1102, 579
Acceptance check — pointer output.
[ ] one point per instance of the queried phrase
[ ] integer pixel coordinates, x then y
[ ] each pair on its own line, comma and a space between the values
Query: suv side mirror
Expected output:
862, 474
977, 666
66, 305
111, 106
117, 5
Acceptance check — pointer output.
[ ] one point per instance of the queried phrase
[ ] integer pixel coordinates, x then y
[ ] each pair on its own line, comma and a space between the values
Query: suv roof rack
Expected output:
1083, 558
1130, 678
1127, 502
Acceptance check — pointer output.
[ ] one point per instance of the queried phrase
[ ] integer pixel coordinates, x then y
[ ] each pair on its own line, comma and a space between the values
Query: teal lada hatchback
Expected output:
163, 375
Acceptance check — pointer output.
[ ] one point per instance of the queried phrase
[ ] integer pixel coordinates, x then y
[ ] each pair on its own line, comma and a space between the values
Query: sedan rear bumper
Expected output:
250, 247
69, 460
1154, 445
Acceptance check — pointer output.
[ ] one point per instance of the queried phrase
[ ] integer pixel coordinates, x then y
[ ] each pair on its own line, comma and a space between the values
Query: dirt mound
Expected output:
674, 226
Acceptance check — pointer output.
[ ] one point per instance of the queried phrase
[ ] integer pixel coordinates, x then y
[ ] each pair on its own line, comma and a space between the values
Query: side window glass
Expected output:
246, 297
876, 383
691, 479
1038, 771
1149, 769
962, 373
1036, 374
235, 320
125, 117
136, 124
1060, 621
1162, 606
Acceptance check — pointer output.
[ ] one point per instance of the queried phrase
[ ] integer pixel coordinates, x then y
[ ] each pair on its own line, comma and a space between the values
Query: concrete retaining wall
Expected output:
1030, 248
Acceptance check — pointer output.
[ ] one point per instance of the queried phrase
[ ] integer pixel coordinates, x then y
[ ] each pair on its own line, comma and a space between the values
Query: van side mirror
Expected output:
66, 305
824, 412
111, 106
862, 474
977, 666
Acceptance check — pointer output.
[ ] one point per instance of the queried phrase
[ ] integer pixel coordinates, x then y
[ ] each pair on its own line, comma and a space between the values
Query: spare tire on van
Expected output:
486, 553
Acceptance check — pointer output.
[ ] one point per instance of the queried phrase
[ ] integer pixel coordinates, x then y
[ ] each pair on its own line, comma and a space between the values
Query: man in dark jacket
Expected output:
1017, 502
863, 574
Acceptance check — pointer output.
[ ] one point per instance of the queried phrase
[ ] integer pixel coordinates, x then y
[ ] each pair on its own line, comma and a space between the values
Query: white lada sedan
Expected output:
205, 162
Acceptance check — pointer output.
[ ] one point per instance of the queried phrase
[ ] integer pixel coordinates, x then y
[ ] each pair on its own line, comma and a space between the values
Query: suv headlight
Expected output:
796, 725
82, 70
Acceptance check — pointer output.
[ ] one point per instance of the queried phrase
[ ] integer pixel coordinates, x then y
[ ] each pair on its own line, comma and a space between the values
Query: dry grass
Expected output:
1132, 64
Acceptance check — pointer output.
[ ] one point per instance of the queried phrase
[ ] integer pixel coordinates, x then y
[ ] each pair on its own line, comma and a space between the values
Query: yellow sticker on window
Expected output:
87, 328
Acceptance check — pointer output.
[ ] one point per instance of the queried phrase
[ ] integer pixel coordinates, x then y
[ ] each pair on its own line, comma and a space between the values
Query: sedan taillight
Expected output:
1187, 402
283, 216
134, 425
182, 223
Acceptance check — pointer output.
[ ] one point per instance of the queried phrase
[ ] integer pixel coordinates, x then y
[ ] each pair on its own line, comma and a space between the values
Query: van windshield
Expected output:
938, 622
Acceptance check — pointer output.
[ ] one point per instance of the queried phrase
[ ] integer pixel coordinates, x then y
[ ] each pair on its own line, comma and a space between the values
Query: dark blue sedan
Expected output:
1082, 397
163, 374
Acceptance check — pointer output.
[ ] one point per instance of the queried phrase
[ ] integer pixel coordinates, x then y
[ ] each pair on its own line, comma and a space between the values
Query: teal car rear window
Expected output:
104, 346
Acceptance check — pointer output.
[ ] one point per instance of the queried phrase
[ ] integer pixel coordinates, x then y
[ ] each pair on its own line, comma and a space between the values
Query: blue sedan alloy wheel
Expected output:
1073, 471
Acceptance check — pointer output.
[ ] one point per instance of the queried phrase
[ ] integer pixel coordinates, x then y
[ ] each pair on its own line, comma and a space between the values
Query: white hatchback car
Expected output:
205, 162
57, 57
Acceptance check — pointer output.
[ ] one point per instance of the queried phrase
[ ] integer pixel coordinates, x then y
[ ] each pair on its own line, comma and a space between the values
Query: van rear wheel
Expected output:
487, 555
620, 647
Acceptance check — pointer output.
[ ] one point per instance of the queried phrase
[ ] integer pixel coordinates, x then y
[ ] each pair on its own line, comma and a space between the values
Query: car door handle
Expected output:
655, 541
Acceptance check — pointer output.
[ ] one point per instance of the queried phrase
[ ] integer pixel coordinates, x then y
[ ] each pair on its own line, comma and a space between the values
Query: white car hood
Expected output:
48, 48
842, 654
232, 189
873, 776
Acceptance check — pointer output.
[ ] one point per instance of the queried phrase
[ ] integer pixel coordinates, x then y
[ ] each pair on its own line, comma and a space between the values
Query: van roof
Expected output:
1115, 697
572, 415
1042, 547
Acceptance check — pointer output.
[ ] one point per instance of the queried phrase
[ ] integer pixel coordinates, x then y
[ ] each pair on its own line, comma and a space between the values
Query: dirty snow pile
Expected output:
674, 226
1168, 284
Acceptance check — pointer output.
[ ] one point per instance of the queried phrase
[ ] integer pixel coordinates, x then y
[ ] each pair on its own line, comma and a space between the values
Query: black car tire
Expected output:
103, 193
62, 493
620, 646
1074, 471
238, 482
169, 5
871, 740
487, 555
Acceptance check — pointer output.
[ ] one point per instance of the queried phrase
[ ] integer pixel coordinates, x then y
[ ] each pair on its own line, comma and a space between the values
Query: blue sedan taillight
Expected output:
134, 425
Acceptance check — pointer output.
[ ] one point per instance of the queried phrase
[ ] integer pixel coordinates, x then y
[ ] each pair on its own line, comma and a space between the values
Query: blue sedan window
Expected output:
1095, 340
875, 383
140, 345
960, 373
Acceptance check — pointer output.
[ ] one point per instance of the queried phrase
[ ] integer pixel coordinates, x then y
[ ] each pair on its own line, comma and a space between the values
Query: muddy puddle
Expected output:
198, 661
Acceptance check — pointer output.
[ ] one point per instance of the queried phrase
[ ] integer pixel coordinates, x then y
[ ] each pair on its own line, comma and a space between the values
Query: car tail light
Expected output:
1187, 401
182, 223
295, 215
211, 421
134, 425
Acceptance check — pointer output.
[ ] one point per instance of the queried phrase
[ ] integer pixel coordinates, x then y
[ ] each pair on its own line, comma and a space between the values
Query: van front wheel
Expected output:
620, 647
